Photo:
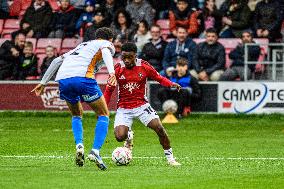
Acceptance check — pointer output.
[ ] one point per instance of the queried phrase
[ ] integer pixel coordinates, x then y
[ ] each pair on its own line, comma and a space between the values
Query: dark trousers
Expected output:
182, 98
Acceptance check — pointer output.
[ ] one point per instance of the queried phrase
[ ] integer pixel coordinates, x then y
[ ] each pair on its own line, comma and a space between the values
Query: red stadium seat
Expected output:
164, 24
40, 60
1, 25
33, 40
44, 42
101, 77
2, 40
69, 43
10, 26
54, 5
165, 28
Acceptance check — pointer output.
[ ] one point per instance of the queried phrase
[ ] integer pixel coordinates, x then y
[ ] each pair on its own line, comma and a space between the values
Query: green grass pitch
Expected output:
216, 151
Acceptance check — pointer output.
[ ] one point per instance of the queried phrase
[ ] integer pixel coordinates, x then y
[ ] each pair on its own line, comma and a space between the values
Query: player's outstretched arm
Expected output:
55, 64
107, 57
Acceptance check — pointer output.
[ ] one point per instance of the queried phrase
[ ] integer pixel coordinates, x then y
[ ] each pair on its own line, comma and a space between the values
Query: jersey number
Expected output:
77, 51
150, 110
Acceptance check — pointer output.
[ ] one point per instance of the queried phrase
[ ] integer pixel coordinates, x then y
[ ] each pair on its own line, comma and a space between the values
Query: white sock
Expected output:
96, 151
79, 145
169, 154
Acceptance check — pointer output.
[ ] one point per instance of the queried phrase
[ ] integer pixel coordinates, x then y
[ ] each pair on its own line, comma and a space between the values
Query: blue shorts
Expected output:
75, 89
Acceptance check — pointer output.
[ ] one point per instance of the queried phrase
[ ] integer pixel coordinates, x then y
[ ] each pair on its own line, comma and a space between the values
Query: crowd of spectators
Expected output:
134, 20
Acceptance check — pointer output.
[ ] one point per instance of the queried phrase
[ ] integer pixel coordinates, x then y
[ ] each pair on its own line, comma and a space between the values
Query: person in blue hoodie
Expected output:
86, 18
190, 89
181, 47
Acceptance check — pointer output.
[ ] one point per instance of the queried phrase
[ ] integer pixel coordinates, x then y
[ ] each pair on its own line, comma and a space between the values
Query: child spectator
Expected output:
86, 18
50, 55
142, 36
28, 64
190, 88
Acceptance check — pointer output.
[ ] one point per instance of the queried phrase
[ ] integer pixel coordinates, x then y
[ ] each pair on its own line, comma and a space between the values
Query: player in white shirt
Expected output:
75, 76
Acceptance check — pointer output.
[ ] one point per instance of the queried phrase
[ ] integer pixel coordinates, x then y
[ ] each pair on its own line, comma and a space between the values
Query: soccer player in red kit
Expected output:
132, 74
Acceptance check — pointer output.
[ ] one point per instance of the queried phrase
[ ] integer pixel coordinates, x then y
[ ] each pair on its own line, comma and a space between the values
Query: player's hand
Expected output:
112, 80
177, 86
38, 89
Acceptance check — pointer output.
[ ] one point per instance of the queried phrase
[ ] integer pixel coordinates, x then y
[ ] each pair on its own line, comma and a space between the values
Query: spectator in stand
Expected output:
4, 9
36, 20
142, 36
162, 8
111, 6
78, 4
267, 20
27, 68
50, 55
140, 10
211, 58
86, 17
98, 22
189, 92
64, 21
236, 19
183, 16
182, 46
237, 56
252, 4
10, 53
153, 52
123, 27
211, 17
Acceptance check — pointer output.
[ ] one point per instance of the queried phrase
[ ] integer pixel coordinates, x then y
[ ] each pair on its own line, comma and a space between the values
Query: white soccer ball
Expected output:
121, 156
170, 106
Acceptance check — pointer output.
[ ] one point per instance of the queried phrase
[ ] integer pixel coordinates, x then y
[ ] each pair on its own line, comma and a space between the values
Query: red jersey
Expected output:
132, 84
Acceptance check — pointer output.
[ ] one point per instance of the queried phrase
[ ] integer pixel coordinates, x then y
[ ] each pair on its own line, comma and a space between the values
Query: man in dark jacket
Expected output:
36, 20
98, 22
182, 47
10, 53
153, 52
237, 56
63, 21
210, 60
267, 20
237, 16
190, 88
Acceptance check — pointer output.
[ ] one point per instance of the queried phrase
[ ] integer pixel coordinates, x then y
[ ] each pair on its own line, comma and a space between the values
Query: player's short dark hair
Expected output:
104, 33
212, 30
182, 62
129, 47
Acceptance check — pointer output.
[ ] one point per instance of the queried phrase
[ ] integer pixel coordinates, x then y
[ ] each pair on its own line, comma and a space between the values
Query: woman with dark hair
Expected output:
211, 17
122, 26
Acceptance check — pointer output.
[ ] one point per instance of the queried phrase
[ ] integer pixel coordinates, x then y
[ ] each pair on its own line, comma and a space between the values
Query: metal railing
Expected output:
272, 64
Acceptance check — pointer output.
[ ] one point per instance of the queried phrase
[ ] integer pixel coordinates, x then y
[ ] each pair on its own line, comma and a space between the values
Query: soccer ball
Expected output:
170, 106
121, 156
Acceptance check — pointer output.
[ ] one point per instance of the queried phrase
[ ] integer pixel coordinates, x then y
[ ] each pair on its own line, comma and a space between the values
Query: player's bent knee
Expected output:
120, 138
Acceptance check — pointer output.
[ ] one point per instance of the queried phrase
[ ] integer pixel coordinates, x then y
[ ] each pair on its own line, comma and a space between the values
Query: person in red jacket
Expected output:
132, 74
183, 16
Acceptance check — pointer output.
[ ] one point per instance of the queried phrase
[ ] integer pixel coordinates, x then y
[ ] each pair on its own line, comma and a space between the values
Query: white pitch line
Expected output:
146, 157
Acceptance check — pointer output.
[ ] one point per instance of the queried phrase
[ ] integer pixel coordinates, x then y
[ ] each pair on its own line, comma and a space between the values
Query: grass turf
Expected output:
198, 142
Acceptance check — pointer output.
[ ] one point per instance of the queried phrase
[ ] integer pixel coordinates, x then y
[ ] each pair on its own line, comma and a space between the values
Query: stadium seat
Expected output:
40, 60
54, 5
26, 4
10, 26
1, 25
42, 43
33, 40
2, 40
101, 77
69, 43
165, 27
